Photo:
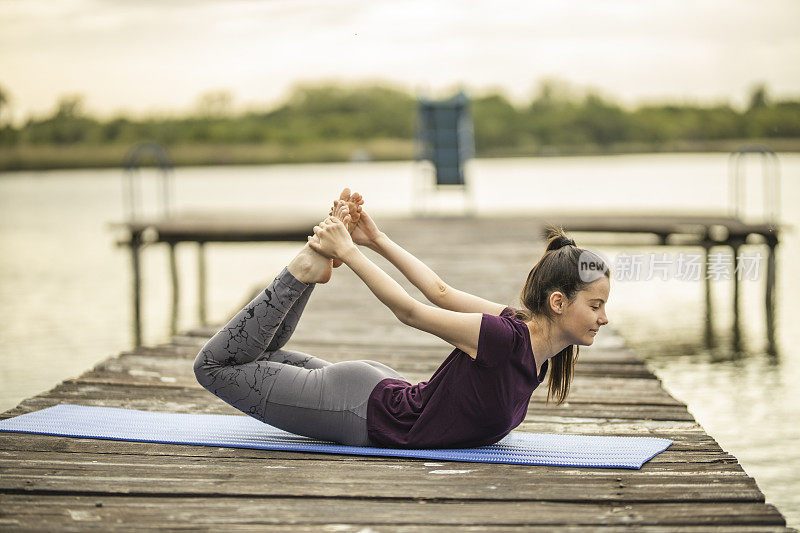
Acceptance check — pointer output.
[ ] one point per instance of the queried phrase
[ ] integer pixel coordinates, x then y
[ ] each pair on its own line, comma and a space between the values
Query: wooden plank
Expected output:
27, 457
148, 397
57, 511
180, 366
164, 475
617, 361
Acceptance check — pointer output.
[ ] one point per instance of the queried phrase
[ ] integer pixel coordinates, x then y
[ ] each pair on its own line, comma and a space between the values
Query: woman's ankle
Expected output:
310, 267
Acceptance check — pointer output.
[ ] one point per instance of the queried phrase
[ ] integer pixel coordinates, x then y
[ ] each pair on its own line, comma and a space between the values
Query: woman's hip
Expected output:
342, 386
328, 403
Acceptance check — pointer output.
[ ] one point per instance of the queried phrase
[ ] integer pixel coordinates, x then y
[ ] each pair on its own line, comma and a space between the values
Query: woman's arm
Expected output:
426, 280
459, 329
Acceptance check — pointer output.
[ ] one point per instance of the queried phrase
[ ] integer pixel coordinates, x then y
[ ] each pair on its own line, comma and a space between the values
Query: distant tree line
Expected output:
556, 116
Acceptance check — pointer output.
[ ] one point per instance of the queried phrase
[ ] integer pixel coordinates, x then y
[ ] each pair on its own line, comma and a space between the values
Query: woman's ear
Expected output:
557, 302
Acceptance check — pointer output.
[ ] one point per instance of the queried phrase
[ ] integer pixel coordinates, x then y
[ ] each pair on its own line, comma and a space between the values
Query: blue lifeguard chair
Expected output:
444, 137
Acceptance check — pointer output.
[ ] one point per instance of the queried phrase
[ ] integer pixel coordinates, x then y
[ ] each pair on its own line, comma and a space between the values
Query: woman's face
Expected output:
581, 319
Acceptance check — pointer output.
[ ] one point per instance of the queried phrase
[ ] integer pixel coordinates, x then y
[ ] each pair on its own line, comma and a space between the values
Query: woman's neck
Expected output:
545, 340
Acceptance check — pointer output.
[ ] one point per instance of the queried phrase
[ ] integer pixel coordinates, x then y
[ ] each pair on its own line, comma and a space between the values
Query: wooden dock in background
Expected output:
202, 227
61, 483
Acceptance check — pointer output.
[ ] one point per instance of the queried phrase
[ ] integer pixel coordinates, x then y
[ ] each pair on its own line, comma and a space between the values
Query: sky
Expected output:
140, 57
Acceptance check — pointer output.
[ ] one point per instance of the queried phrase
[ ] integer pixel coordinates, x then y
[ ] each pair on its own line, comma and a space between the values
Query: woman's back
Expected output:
467, 402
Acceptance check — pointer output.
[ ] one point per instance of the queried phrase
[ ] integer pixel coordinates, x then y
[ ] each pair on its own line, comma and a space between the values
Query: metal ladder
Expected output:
770, 176
131, 164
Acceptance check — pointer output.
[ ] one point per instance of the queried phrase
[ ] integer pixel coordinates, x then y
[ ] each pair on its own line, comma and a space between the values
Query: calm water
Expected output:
64, 288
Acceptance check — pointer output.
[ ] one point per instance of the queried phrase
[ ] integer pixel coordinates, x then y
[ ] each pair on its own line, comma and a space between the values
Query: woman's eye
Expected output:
595, 307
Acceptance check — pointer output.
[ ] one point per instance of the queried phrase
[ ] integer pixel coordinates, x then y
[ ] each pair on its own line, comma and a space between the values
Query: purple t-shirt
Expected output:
467, 402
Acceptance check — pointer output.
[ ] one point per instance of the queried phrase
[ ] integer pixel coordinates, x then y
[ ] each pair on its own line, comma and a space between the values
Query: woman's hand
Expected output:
331, 239
366, 232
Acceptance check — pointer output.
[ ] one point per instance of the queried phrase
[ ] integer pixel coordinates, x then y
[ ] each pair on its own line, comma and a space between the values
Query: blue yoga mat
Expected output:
246, 432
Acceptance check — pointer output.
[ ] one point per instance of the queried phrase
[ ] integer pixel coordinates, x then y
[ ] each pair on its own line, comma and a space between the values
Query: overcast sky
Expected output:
141, 56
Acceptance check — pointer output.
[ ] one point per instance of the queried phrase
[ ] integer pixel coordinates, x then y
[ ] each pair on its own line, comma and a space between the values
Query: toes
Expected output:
345, 194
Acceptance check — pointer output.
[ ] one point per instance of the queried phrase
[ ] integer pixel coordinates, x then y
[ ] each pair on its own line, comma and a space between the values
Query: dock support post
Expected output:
201, 280
135, 244
737, 326
173, 269
709, 329
772, 242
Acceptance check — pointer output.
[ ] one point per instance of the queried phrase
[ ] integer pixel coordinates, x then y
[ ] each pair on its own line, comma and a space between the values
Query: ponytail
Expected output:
556, 270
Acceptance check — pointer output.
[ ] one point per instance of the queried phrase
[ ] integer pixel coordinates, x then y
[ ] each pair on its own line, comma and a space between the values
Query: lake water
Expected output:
65, 289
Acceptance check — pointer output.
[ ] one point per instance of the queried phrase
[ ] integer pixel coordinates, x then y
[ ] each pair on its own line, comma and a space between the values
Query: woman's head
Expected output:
568, 288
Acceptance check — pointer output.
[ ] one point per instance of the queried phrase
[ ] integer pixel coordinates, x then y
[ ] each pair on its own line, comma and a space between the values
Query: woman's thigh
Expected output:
328, 403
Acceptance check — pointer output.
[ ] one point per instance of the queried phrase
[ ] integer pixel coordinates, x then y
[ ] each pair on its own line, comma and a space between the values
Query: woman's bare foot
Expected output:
353, 202
342, 212
310, 267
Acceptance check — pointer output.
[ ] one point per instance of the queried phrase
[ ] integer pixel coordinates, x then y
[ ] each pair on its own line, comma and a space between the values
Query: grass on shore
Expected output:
48, 157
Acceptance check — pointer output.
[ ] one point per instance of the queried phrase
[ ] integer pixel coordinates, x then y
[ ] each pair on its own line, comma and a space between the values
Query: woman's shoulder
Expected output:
506, 321
501, 336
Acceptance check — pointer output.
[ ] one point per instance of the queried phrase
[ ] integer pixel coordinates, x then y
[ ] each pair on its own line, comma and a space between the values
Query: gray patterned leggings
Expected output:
244, 364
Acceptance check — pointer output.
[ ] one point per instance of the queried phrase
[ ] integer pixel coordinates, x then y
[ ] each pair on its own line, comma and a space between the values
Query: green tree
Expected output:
602, 122
497, 122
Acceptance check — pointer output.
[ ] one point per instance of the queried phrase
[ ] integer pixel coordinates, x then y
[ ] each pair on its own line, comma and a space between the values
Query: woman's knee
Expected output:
202, 367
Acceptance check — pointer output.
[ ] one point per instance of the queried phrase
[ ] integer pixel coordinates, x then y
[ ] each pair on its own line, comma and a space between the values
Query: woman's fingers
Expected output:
328, 223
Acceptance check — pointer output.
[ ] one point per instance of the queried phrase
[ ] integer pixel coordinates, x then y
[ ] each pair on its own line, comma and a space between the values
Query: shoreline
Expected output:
60, 157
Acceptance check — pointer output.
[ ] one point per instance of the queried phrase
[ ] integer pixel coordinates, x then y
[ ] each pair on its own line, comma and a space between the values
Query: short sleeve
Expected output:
508, 311
497, 338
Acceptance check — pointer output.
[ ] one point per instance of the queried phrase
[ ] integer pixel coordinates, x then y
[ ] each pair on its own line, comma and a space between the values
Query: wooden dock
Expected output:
202, 227
52, 483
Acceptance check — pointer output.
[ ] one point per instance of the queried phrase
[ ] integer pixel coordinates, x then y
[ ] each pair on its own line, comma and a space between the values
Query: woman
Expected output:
476, 396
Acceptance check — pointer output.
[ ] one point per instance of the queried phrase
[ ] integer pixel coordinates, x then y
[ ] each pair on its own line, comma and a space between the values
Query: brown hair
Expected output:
557, 270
